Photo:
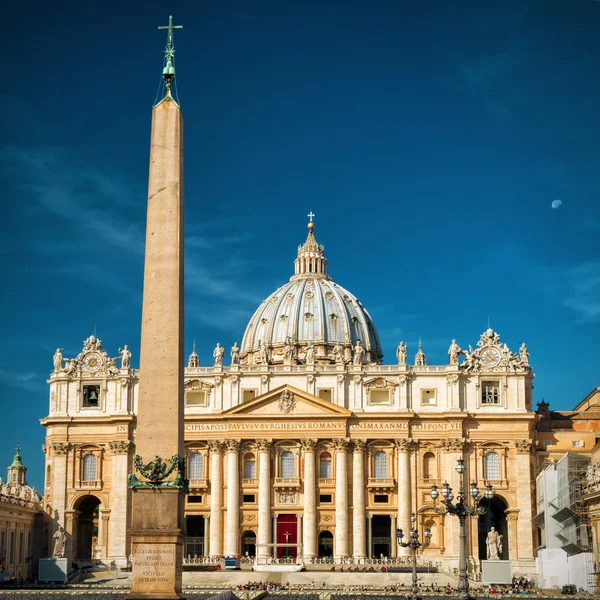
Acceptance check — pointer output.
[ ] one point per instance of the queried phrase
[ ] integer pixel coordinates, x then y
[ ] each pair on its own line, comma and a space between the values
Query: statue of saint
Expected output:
401, 353
338, 354
454, 352
288, 350
493, 543
235, 354
60, 544
263, 353
524, 354
125, 357
58, 358
218, 354
359, 353
310, 355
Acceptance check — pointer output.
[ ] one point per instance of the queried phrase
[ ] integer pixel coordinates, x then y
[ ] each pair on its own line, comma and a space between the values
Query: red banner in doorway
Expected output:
287, 533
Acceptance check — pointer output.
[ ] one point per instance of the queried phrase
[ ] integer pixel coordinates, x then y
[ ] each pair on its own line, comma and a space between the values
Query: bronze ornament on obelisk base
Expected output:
158, 474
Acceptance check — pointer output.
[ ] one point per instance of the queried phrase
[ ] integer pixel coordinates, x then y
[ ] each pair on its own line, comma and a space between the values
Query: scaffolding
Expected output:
572, 514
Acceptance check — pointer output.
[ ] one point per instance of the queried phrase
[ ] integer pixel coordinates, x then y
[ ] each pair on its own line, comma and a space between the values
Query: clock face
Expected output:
490, 357
92, 362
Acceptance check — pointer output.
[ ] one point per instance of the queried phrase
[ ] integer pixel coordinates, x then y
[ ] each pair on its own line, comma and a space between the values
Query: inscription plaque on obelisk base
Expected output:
158, 478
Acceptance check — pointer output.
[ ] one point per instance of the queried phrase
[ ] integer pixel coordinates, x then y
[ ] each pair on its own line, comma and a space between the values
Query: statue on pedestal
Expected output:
218, 354
338, 354
60, 544
493, 544
359, 353
125, 357
263, 353
310, 355
401, 354
235, 354
454, 352
58, 358
524, 354
288, 351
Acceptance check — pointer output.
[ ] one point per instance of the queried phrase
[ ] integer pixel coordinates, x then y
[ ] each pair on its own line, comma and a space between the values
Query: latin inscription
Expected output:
153, 565
263, 426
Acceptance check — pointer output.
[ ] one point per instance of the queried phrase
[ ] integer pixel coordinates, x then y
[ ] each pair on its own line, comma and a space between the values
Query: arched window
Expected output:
286, 464
325, 470
429, 466
380, 463
492, 466
89, 467
249, 466
196, 466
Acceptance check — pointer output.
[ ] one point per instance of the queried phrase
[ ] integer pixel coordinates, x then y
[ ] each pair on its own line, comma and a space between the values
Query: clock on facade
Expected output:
92, 362
490, 356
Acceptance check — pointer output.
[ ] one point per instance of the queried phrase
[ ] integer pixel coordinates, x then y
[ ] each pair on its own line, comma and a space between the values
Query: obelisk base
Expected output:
157, 550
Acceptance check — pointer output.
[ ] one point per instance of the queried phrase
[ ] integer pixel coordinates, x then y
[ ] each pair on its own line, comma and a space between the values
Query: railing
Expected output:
286, 482
324, 368
203, 560
326, 480
198, 483
382, 482
251, 481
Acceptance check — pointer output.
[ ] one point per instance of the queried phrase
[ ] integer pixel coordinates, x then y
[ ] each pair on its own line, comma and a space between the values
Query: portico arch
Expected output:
494, 517
85, 526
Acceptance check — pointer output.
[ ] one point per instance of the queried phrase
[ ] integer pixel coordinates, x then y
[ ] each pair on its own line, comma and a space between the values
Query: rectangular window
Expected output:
380, 396
325, 394
195, 399
249, 498
578, 444
428, 397
249, 469
248, 395
490, 392
91, 396
325, 498
194, 499
380, 498
325, 470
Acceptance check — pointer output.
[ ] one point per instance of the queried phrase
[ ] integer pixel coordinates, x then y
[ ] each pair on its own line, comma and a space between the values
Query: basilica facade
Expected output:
300, 442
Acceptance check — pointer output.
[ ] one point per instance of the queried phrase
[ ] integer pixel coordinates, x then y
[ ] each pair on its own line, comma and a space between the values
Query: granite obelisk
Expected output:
157, 477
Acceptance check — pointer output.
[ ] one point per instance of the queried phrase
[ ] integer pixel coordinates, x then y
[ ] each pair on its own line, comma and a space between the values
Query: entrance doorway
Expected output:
382, 525
325, 544
194, 541
86, 531
494, 517
287, 533
249, 543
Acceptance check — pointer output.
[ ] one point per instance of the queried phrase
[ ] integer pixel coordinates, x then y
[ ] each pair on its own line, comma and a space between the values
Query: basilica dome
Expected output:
310, 311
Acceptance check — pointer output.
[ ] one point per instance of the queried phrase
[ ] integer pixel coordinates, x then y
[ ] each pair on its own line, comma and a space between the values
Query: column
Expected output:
299, 536
524, 487
393, 542
206, 536
454, 448
274, 536
370, 536
341, 498
512, 521
309, 540
232, 534
120, 502
60, 451
403, 447
216, 498
264, 498
358, 500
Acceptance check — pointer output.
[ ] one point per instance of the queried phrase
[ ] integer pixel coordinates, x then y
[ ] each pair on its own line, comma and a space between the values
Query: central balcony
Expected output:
290, 483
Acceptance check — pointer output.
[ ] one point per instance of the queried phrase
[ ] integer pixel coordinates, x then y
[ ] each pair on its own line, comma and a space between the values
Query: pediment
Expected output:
288, 401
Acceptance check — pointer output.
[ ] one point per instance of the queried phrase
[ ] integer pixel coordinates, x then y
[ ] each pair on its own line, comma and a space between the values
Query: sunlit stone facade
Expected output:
301, 441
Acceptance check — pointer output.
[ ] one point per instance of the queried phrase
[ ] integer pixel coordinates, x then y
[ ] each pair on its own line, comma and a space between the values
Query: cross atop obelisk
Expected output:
157, 479
169, 69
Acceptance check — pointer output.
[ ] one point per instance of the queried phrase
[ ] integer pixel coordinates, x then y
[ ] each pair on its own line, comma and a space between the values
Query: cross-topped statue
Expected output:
310, 215
169, 70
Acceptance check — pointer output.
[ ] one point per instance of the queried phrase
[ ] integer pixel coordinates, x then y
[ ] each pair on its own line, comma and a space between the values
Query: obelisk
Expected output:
157, 477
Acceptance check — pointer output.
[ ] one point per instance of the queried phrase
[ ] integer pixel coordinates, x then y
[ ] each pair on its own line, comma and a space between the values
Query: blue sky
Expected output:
430, 139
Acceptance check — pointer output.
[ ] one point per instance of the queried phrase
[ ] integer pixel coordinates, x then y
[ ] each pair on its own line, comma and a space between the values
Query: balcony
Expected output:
286, 483
88, 485
326, 481
381, 483
249, 482
198, 484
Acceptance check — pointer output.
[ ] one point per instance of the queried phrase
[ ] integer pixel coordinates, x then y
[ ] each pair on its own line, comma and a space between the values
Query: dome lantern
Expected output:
311, 261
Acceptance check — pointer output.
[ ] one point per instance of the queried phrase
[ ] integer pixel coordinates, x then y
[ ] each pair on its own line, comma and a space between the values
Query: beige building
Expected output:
21, 520
305, 444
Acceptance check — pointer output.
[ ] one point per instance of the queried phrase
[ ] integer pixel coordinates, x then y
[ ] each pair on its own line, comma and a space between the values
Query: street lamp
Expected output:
462, 510
414, 544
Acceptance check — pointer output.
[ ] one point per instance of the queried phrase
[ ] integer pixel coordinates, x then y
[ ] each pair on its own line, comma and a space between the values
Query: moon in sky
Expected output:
556, 204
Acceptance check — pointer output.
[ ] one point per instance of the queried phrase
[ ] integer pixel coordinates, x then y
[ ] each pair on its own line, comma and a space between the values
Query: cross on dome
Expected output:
310, 215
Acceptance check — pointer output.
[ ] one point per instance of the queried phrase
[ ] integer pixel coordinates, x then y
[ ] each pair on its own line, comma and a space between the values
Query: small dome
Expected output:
309, 309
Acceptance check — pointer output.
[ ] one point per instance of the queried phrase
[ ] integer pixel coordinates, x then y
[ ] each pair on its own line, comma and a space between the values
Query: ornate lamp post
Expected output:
462, 510
414, 544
